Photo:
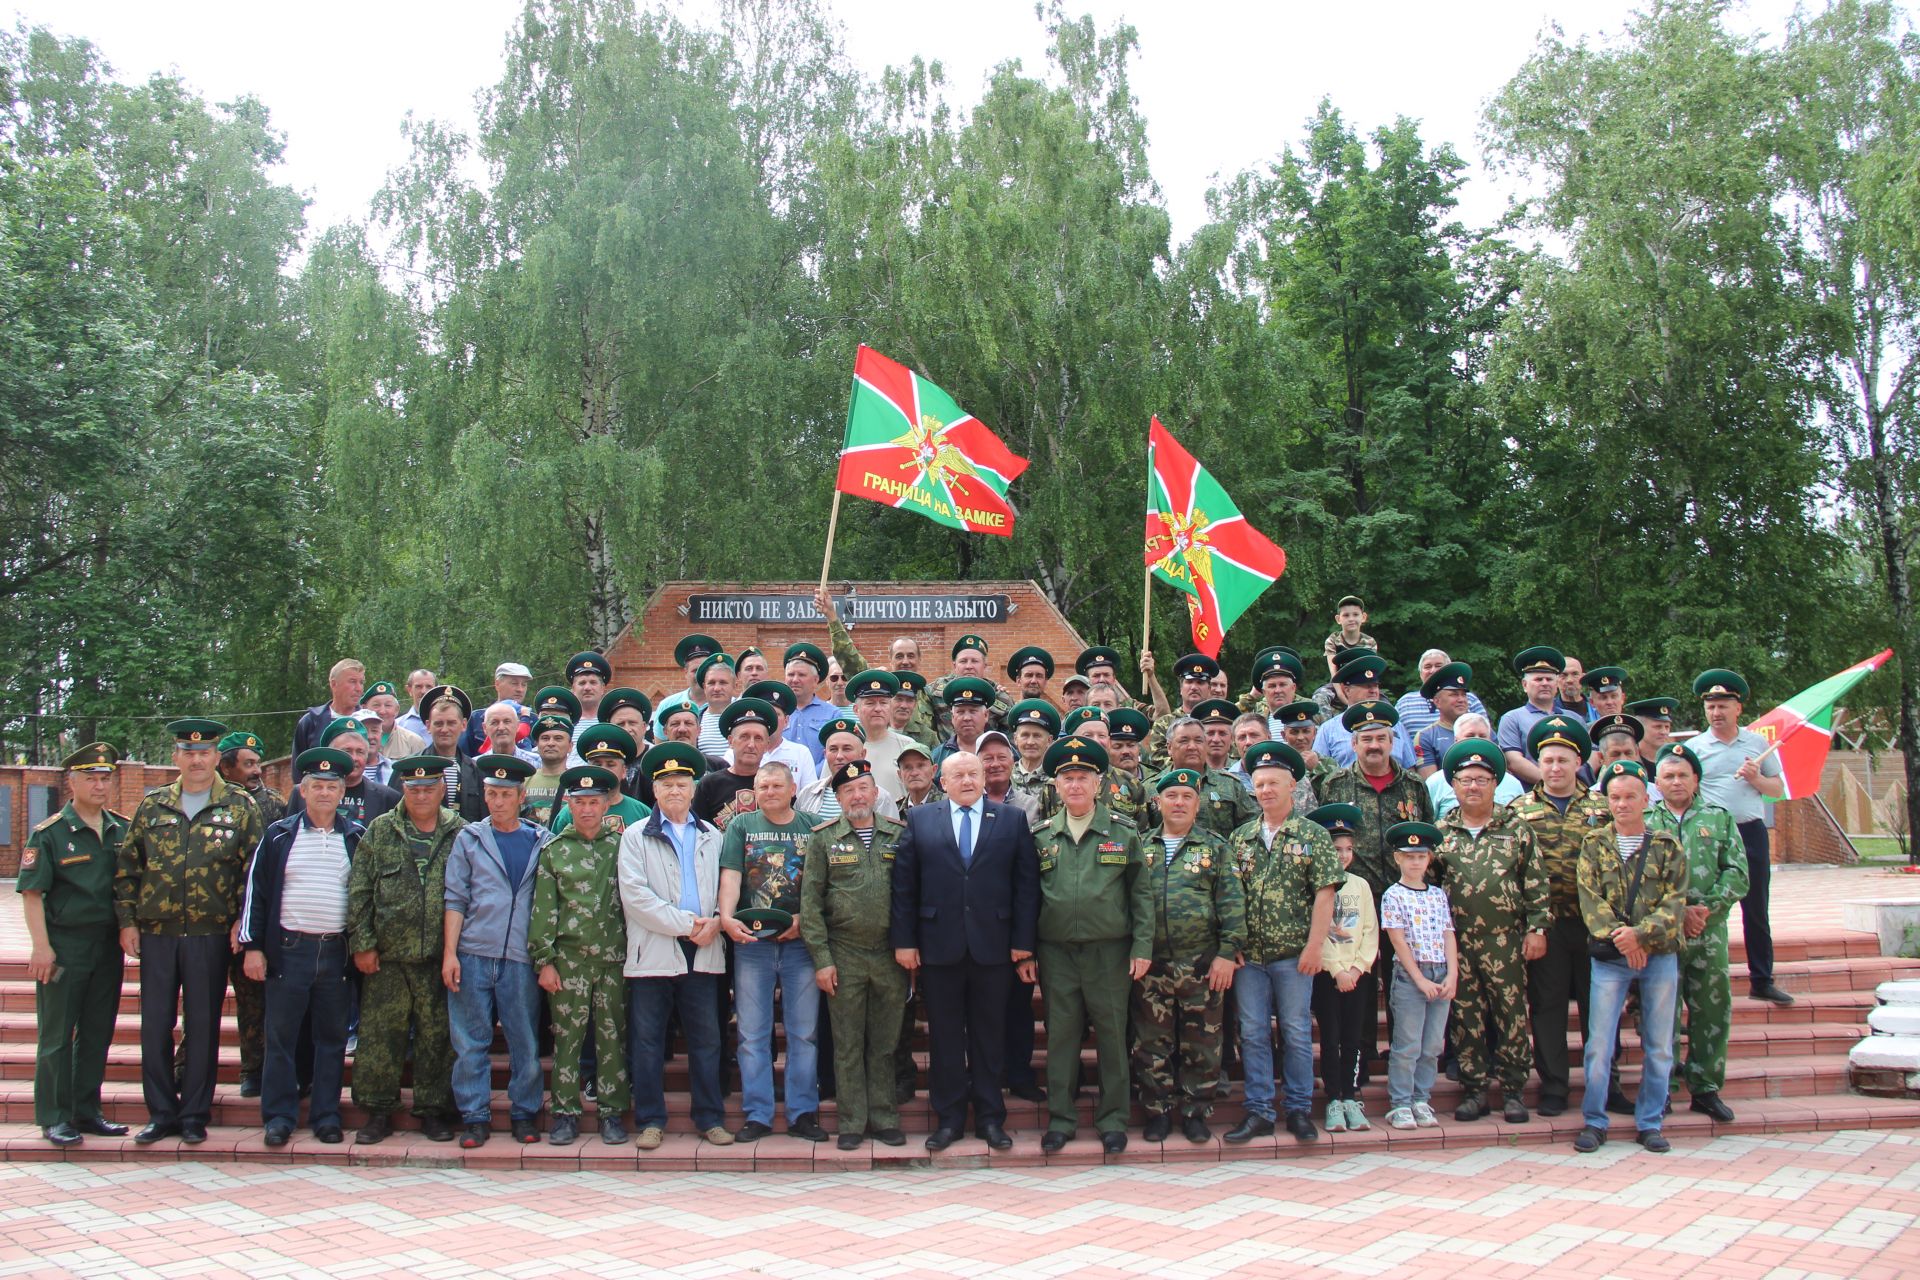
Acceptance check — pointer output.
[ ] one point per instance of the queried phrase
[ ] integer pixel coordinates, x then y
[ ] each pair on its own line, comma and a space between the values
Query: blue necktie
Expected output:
966, 835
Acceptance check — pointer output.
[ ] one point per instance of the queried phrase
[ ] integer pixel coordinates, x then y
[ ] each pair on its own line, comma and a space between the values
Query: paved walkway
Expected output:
1840, 1204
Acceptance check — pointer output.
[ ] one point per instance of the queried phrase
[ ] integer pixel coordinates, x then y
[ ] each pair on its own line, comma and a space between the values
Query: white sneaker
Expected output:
1336, 1121
1423, 1115
1356, 1115
1401, 1118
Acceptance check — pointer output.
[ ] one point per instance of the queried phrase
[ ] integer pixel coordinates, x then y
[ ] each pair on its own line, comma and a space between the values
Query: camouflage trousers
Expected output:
1177, 1019
1706, 997
1491, 1002
592, 994
865, 1013
404, 996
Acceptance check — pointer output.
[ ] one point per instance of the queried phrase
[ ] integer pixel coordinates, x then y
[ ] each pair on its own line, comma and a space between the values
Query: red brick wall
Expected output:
1804, 832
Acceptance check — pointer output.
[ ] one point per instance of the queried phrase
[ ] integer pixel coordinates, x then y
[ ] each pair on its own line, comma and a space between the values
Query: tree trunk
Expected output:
1893, 552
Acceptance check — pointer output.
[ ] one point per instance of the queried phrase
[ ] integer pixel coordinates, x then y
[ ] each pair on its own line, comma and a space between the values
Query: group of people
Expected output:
1185, 880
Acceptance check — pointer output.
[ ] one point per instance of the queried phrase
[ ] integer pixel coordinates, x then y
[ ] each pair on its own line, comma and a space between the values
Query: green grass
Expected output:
1879, 849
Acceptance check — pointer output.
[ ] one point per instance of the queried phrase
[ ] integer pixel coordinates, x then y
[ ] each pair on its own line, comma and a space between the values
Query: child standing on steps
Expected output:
1343, 993
1419, 926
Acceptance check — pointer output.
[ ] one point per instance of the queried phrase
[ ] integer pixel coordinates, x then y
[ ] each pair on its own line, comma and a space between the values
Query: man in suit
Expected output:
966, 908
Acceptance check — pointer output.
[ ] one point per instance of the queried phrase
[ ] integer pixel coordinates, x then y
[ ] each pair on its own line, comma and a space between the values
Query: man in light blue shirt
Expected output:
806, 668
1735, 776
1539, 669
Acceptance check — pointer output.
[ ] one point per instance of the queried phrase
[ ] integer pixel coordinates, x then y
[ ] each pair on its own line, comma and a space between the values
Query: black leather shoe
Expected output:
613, 1132
1028, 1092
564, 1131
1195, 1130
330, 1134
890, 1138
156, 1130
193, 1132
250, 1085
806, 1127
62, 1135
1113, 1143
99, 1127
1471, 1107
1248, 1129
1300, 1125
1588, 1140
848, 1141
942, 1138
752, 1131
436, 1129
1552, 1106
475, 1135
1772, 995
279, 1133
1157, 1128
996, 1136
1618, 1102
1051, 1142
1654, 1141
526, 1131
1711, 1104
1515, 1111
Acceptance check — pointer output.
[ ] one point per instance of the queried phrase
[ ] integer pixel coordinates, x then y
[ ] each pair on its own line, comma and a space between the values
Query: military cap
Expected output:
778, 692
1541, 657
1098, 655
95, 757
1683, 751
554, 699
439, 691
811, 654
692, 647
1559, 729
502, 770
1272, 649
1413, 837
691, 709
1076, 679
1455, 675
968, 641
607, 739
765, 923
614, 699
1348, 652
1366, 668
708, 663
1599, 729
1661, 708
1474, 753
1338, 819
1126, 724
377, 688
589, 662
672, 759
1305, 711
1273, 755
1371, 714
1276, 658
1355, 601
588, 780
324, 762
1614, 771
552, 722
1073, 752
1196, 666
1605, 679
339, 725
192, 734
1072, 721
1215, 711
1179, 778
238, 740
749, 711
1036, 711
1720, 683
422, 770
851, 771
970, 691
1027, 656
841, 724
911, 682
873, 683
751, 651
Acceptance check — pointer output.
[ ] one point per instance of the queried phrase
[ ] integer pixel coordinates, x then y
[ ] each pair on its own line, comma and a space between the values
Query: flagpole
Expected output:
1146, 618
833, 523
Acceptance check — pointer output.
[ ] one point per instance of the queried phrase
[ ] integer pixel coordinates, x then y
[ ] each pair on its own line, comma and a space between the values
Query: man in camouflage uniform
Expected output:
846, 905
1490, 868
240, 759
577, 942
1645, 923
1123, 793
1277, 676
176, 896
969, 661
1195, 673
1716, 879
396, 908
1225, 805
1199, 924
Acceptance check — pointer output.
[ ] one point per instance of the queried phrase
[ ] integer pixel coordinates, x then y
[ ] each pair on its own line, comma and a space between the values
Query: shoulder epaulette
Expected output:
824, 825
1120, 820
46, 822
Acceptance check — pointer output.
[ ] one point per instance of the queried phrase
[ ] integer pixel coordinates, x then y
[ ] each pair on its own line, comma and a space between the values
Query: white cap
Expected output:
367, 715
512, 669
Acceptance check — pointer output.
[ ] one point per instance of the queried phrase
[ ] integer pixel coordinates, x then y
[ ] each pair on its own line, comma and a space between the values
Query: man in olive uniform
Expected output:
1121, 791
1491, 870
614, 749
969, 662
240, 764
1096, 940
1199, 923
577, 942
1196, 672
1716, 879
846, 905
176, 896
396, 903
66, 888
1225, 806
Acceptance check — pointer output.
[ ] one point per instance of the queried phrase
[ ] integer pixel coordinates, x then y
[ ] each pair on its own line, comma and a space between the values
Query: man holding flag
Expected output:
1738, 771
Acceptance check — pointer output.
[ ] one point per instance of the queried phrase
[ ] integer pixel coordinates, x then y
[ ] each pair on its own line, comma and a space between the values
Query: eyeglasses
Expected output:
836, 679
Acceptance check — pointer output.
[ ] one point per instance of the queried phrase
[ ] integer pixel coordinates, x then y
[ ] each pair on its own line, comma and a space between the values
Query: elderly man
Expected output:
1418, 708
688, 654
1225, 805
723, 794
364, 799
1249, 729
510, 683
1277, 677
969, 701
345, 681
1032, 724
1386, 792
1539, 669
841, 740
1440, 792
1606, 690
414, 718
1358, 681
390, 740
779, 746
500, 725
1739, 773
872, 692
1196, 672
1445, 695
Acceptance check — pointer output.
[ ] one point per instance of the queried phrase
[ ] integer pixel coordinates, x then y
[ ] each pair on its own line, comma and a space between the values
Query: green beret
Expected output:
1277, 659
1372, 714
970, 691
1661, 708
1196, 666
851, 771
1038, 712
694, 647
1338, 819
777, 692
1470, 753
765, 922
1455, 675
589, 663
969, 641
911, 682
554, 700
552, 723
873, 683
811, 654
1559, 729
749, 711
607, 739
377, 688
614, 699
588, 780
1720, 683
337, 726
1542, 657
440, 692
192, 734
1072, 721
1605, 725
1027, 656
841, 724
324, 762
1612, 772
238, 740
1273, 755
1215, 711
672, 759
1682, 751
1305, 711
1179, 778
502, 770
1605, 679
97, 757
1413, 837
1367, 668
1073, 752
708, 663
1098, 655
1128, 724
422, 770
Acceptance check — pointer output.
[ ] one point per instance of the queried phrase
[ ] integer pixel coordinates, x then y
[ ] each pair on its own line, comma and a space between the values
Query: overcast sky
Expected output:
1223, 86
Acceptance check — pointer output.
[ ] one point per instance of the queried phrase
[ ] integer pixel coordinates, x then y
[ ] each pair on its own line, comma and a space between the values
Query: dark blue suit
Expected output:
966, 918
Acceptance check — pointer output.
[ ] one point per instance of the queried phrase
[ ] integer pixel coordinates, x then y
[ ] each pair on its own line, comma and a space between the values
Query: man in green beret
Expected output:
241, 765
1492, 872
1277, 677
66, 890
724, 793
1739, 771
1656, 723
1539, 668
1224, 803
779, 746
1299, 725
390, 741
364, 799
1195, 672
911, 714
1716, 879
969, 654
1033, 724
1357, 681
716, 679
588, 675
1030, 668
1617, 737
1216, 717
1446, 689
806, 668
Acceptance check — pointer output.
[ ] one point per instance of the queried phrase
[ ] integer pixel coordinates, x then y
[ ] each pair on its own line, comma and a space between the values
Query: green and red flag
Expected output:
1198, 541
1801, 728
908, 445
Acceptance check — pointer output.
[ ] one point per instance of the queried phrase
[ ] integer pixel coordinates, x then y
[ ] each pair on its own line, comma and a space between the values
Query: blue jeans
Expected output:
1659, 989
1263, 992
504, 991
756, 968
1419, 1029
312, 977
696, 997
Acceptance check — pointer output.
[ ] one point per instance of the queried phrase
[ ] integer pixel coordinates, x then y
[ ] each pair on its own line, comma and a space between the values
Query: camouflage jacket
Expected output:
1094, 889
1281, 882
272, 805
1605, 878
1716, 859
1557, 837
1225, 803
184, 876
1404, 800
395, 905
576, 901
1494, 880
846, 889
1034, 785
1198, 907
943, 722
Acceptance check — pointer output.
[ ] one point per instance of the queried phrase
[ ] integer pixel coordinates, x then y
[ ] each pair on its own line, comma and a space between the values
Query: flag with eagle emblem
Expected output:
908, 445
1198, 541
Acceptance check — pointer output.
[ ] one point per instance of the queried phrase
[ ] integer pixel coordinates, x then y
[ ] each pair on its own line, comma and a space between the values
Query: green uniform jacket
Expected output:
1716, 859
272, 805
846, 889
1199, 910
1404, 800
72, 868
1281, 883
394, 906
1225, 803
1494, 881
1126, 796
184, 877
943, 720
1558, 837
1095, 889
576, 901
1605, 877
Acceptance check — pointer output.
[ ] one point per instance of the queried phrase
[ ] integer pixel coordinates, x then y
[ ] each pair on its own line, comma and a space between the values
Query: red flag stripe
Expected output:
889, 379
1175, 467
